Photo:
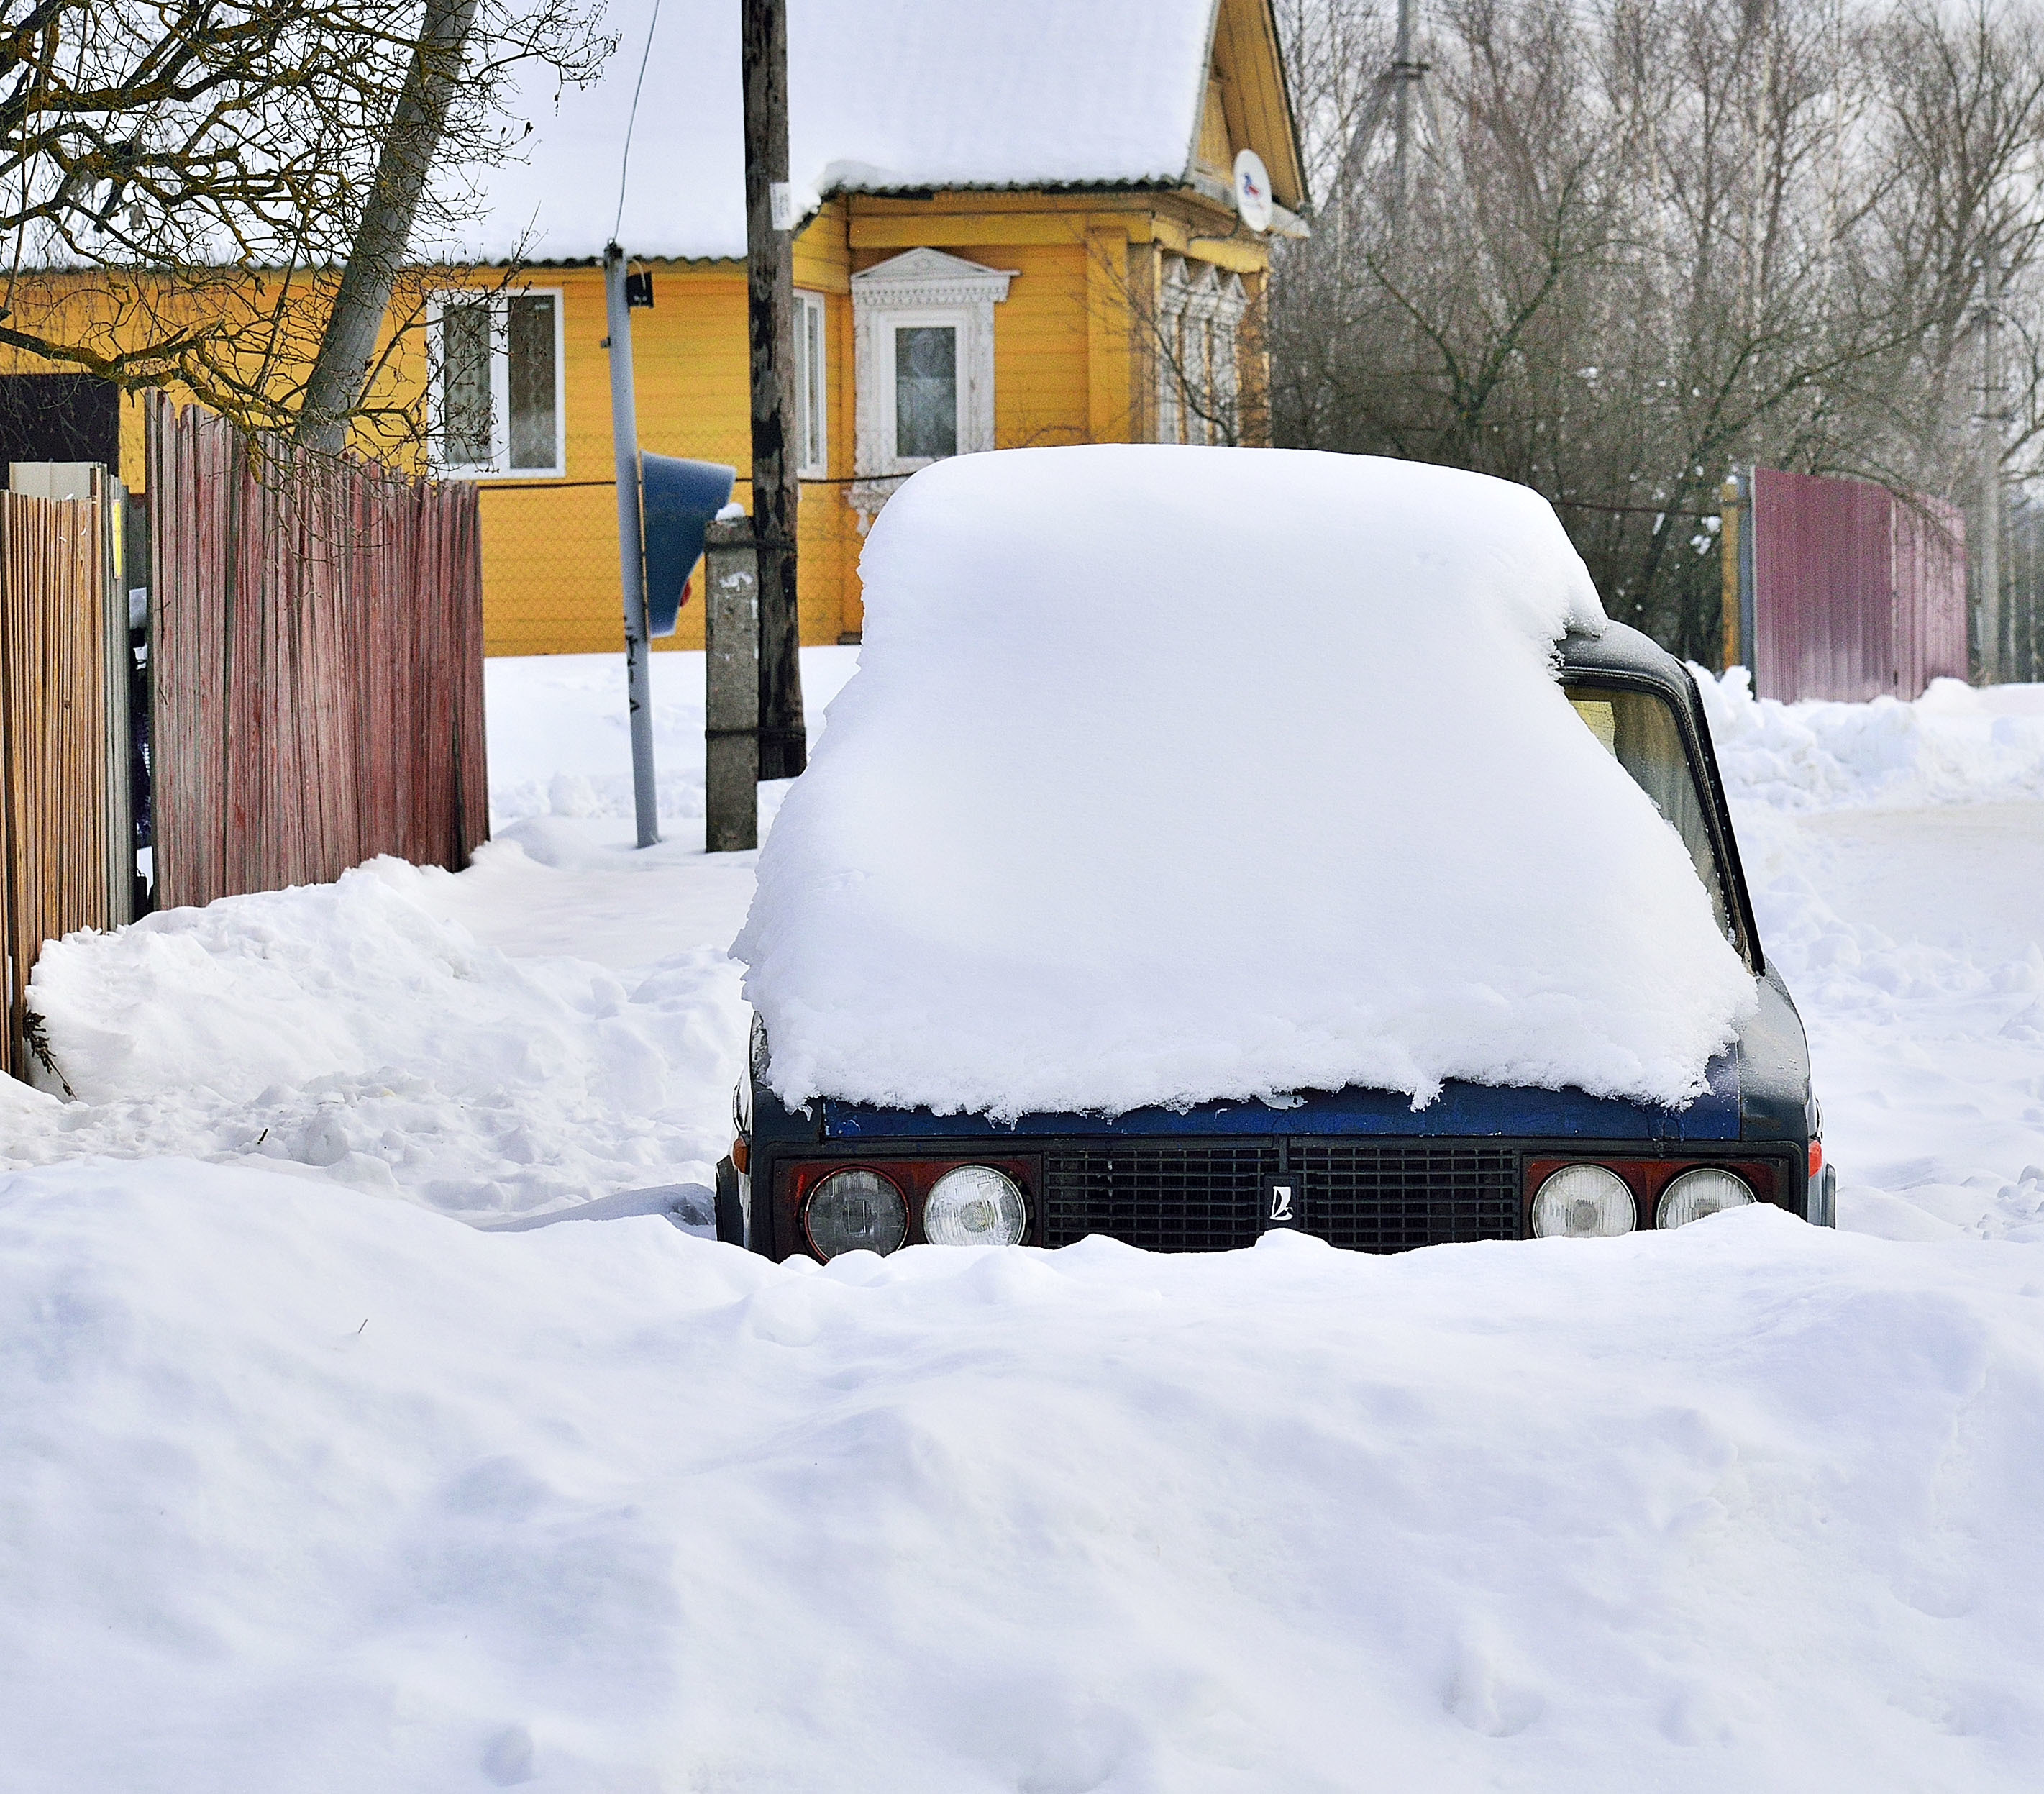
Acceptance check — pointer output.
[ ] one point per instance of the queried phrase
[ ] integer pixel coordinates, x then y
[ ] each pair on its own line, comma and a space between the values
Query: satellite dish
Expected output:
1252, 189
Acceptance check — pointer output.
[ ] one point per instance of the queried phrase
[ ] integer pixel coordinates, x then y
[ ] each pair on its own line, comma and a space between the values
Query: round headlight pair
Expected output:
1593, 1202
857, 1210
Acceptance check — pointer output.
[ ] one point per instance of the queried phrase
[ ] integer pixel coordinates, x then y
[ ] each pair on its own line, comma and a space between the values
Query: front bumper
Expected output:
1180, 1194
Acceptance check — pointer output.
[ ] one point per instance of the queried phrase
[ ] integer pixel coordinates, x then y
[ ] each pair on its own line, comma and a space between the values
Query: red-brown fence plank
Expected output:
318, 667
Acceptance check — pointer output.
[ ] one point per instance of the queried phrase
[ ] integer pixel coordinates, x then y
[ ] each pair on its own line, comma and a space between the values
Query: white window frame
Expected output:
890, 421
924, 287
499, 466
1199, 315
812, 386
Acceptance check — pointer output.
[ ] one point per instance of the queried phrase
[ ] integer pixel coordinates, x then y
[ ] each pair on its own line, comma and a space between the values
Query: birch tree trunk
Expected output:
384, 232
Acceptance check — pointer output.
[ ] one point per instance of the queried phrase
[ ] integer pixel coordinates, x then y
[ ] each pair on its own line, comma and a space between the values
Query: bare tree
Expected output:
181, 180
1649, 239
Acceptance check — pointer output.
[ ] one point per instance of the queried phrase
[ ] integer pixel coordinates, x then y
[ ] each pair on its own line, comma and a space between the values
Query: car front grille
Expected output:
1364, 1195
1161, 1198
1388, 1198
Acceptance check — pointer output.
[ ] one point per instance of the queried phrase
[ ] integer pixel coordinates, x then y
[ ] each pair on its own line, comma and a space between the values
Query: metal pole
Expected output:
631, 547
1404, 73
1990, 467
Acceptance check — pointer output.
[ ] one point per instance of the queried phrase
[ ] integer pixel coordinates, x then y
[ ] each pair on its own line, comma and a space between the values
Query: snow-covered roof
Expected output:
883, 94
1171, 775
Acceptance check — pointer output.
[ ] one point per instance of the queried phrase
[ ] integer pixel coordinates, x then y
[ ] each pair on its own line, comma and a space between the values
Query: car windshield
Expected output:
1639, 730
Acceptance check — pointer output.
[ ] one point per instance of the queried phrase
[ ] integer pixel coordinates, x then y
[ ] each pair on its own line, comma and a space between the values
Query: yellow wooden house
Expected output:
1016, 226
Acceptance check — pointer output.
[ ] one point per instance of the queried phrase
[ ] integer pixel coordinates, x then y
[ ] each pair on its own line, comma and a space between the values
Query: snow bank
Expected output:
559, 1023
350, 1029
1173, 774
1952, 745
303, 1491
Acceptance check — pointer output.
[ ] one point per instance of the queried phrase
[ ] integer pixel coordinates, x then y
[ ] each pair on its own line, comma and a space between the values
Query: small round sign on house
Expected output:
1252, 190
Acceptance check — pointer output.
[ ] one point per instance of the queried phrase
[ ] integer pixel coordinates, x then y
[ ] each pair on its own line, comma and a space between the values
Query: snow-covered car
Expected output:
1218, 841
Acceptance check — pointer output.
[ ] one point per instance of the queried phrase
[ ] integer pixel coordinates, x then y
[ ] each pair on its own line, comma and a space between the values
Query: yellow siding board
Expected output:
1246, 55
822, 254
1109, 398
1216, 149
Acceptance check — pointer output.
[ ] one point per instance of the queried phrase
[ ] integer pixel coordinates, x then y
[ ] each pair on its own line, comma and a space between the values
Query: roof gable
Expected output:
884, 95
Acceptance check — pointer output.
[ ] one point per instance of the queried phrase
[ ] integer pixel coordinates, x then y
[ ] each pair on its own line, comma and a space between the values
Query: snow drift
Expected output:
303, 1490
351, 1028
1955, 744
1173, 774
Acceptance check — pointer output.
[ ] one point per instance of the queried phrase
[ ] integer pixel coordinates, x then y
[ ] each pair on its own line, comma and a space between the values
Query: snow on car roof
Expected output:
886, 95
1178, 774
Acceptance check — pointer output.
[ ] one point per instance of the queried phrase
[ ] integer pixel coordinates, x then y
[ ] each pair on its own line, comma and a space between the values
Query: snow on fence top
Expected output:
1176, 774
881, 95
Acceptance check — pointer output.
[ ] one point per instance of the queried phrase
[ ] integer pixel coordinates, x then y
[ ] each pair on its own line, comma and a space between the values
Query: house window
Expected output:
495, 402
1199, 311
812, 394
923, 328
926, 391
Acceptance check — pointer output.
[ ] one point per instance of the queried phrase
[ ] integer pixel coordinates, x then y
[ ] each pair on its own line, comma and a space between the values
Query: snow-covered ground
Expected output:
304, 1485
1896, 853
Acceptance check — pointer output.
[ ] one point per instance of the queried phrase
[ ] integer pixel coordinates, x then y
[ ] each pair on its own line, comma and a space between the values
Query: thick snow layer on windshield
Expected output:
1175, 774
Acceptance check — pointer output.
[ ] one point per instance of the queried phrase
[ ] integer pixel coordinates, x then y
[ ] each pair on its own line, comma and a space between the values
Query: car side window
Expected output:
1640, 731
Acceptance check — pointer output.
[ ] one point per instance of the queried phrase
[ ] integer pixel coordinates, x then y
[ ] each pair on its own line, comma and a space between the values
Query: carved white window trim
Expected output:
812, 386
1199, 311
920, 287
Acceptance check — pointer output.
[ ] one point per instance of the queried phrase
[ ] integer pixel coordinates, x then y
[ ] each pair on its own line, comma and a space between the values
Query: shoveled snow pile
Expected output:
358, 1030
1170, 775
1955, 744
303, 1490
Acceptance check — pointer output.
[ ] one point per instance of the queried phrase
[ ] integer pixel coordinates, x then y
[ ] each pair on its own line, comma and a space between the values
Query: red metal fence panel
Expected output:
1856, 593
316, 665
1930, 593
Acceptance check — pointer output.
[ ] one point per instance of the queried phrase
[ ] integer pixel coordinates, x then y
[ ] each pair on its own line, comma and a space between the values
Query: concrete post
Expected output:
1988, 549
731, 710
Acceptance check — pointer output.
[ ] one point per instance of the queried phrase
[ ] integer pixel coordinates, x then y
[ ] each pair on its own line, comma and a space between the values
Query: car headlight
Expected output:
1586, 1201
1702, 1191
975, 1205
855, 1211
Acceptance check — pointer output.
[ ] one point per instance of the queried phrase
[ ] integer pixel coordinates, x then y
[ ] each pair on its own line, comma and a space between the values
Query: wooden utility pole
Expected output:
769, 240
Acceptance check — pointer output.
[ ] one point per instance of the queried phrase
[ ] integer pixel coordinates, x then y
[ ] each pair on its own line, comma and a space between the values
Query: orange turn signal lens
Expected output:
1816, 1157
741, 1156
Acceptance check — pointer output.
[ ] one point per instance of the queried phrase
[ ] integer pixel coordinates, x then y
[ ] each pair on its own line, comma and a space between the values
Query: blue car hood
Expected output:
1759, 1090
1460, 1110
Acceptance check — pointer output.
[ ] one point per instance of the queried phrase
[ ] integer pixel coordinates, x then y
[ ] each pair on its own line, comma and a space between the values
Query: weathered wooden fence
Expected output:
1849, 591
315, 662
62, 750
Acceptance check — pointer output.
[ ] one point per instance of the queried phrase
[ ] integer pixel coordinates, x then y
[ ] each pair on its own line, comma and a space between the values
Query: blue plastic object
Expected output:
678, 501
